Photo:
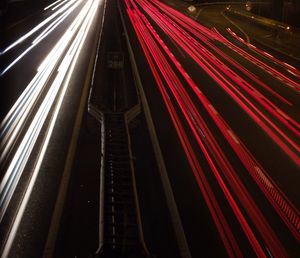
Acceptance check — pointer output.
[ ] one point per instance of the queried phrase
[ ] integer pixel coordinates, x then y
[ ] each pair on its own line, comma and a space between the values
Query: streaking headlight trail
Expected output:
58, 65
36, 28
65, 11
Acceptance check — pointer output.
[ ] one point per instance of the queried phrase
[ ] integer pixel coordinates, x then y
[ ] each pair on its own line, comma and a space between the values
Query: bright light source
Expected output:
192, 8
73, 40
40, 25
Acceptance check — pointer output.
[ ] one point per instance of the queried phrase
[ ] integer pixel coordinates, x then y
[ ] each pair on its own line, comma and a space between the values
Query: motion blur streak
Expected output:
223, 75
49, 6
192, 116
216, 212
67, 68
216, 158
42, 35
58, 5
280, 76
14, 120
67, 50
39, 26
280, 202
287, 66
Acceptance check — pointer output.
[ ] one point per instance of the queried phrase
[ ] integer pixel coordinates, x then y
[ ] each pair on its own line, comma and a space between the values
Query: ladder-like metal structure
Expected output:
122, 233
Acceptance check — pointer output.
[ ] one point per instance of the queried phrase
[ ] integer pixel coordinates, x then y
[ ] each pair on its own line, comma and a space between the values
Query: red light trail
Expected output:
179, 28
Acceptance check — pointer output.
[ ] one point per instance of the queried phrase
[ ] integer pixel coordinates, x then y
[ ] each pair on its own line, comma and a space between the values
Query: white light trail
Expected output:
55, 23
23, 205
74, 37
16, 116
60, 4
36, 28
16, 60
49, 6
42, 35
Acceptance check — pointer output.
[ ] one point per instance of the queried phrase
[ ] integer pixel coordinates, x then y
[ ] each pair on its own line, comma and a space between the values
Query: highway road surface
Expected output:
235, 112
225, 111
44, 67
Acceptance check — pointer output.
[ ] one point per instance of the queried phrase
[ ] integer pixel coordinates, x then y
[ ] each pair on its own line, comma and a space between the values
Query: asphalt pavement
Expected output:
279, 167
225, 107
26, 222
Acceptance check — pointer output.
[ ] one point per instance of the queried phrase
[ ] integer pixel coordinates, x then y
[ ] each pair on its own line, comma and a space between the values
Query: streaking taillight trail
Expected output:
149, 39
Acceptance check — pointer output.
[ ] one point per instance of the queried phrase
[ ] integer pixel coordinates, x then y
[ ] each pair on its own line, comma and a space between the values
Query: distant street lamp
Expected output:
192, 8
248, 6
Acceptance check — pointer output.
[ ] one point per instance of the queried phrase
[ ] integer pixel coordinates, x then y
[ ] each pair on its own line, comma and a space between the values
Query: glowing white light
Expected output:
44, 34
60, 4
79, 28
16, 60
36, 28
55, 23
49, 6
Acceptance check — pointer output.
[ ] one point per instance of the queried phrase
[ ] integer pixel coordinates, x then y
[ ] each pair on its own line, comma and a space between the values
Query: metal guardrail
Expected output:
129, 116
132, 113
98, 115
